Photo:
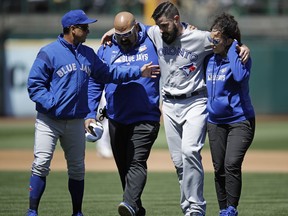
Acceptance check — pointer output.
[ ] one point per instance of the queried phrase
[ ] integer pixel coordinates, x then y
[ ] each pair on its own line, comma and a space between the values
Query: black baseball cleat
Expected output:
141, 212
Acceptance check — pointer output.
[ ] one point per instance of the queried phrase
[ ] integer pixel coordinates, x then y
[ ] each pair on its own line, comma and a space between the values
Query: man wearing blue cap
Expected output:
58, 84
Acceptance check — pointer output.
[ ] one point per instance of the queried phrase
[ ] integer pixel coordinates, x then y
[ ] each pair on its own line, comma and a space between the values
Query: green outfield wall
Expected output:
268, 83
269, 79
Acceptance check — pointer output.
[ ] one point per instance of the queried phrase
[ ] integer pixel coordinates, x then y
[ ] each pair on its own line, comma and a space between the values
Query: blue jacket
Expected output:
58, 80
227, 82
133, 101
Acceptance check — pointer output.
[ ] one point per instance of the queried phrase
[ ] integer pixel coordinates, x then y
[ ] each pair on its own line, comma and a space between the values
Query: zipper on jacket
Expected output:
214, 78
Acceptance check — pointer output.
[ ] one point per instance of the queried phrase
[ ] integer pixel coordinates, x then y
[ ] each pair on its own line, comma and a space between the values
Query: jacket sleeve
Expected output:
95, 91
240, 71
38, 84
102, 73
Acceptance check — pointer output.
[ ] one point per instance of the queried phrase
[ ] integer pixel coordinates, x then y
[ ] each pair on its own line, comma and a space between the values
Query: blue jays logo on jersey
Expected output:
216, 77
140, 56
72, 67
189, 68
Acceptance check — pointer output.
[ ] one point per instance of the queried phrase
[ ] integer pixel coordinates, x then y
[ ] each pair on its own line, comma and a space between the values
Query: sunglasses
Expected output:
214, 41
125, 35
82, 27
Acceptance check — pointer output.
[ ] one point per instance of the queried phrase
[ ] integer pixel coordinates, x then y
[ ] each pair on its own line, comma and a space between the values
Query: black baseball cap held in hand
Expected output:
76, 17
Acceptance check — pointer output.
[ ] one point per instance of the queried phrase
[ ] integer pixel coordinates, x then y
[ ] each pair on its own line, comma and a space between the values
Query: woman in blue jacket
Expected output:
231, 121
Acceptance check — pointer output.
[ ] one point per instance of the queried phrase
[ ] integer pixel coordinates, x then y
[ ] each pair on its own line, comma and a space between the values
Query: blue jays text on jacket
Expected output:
133, 101
58, 80
227, 81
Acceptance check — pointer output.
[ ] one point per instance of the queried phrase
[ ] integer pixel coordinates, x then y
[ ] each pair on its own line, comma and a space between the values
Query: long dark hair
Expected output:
228, 26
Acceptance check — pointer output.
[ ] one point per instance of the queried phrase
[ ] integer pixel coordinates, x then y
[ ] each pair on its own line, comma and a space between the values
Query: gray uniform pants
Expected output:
71, 134
185, 128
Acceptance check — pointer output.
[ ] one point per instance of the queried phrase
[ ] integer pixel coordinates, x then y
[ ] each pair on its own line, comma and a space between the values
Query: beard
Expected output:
168, 38
128, 44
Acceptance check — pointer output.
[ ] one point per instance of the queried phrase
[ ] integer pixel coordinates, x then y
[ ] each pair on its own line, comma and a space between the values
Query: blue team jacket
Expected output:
227, 82
133, 101
58, 79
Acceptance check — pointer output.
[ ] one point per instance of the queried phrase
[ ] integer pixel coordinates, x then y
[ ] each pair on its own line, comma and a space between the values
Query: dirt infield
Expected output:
255, 161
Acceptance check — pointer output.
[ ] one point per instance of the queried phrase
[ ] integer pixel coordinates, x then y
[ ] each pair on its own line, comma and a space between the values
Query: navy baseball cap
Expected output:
76, 17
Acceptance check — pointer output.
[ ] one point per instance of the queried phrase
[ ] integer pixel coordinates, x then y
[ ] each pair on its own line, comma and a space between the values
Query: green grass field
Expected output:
263, 194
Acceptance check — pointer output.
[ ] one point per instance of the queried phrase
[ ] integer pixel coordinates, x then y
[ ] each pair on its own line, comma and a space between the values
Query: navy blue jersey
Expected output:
132, 101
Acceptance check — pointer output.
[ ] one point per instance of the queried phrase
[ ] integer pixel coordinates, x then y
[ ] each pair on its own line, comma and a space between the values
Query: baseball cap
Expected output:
76, 17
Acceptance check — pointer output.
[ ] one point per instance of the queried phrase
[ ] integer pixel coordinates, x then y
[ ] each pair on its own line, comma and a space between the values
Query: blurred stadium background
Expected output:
27, 25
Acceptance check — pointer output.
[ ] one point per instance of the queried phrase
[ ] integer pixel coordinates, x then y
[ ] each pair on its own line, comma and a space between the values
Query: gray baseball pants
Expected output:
185, 128
71, 134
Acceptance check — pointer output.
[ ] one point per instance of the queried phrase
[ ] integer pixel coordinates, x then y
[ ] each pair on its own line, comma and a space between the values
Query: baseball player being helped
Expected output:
58, 84
181, 53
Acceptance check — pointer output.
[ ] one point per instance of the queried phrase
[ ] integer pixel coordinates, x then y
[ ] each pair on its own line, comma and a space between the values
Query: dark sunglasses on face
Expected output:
125, 35
214, 41
82, 27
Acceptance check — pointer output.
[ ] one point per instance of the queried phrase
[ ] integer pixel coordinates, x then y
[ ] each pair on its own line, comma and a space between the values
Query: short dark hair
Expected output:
66, 30
166, 9
228, 26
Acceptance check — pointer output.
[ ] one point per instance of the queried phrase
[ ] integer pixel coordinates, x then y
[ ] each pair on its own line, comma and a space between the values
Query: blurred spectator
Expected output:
197, 10
38, 6
283, 7
135, 7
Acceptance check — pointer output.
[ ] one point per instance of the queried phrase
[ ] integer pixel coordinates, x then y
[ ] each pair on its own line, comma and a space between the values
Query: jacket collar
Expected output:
71, 47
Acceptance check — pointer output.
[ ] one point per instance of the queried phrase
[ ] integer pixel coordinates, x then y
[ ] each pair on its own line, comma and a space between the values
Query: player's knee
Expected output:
76, 172
193, 151
40, 170
79, 176
177, 161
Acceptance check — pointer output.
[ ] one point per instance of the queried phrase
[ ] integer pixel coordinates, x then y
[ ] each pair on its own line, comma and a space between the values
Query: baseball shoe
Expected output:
231, 211
31, 212
125, 210
141, 212
196, 214
78, 214
222, 212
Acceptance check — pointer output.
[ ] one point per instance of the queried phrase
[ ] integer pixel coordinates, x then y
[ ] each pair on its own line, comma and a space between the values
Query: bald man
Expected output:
132, 109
